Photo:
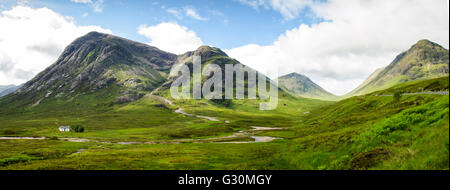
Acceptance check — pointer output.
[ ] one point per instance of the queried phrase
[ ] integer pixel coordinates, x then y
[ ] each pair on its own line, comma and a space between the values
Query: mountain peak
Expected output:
208, 51
425, 46
424, 42
424, 60
91, 36
301, 85
294, 74
97, 34
96, 61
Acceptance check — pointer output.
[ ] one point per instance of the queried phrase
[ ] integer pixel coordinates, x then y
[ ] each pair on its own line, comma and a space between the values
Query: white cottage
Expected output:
64, 128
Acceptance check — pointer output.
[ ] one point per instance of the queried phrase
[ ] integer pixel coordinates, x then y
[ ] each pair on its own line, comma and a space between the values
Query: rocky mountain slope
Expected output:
424, 60
301, 85
212, 55
95, 61
117, 67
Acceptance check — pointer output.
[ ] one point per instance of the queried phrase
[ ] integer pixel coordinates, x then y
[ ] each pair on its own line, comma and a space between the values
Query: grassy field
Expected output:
358, 133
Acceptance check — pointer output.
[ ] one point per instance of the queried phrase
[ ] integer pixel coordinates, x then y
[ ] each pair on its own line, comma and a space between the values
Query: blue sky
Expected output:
336, 43
227, 23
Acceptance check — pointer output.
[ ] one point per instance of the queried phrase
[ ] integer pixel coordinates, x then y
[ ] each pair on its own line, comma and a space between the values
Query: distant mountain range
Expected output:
212, 55
7, 89
301, 85
96, 61
128, 70
4, 87
424, 60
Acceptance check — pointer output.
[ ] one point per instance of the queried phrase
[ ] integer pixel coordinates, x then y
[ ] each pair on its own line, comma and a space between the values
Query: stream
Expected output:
237, 134
241, 133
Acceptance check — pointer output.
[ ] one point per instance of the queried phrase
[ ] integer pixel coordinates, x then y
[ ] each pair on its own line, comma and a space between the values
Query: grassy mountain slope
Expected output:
288, 105
301, 85
94, 62
366, 132
376, 132
424, 60
104, 82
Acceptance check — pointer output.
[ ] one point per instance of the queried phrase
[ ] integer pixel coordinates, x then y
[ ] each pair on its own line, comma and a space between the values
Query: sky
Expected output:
336, 43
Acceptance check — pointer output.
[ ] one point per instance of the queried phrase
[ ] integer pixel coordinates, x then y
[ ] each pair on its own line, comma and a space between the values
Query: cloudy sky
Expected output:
337, 43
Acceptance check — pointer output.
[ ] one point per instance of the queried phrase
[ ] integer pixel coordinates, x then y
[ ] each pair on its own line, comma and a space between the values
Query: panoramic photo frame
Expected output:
224, 93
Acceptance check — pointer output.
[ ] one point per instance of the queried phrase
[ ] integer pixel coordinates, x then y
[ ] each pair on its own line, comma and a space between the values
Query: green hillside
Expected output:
118, 90
301, 85
121, 98
92, 63
365, 132
424, 60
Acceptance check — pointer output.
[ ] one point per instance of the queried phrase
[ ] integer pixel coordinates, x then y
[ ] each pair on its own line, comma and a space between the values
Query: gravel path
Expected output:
417, 93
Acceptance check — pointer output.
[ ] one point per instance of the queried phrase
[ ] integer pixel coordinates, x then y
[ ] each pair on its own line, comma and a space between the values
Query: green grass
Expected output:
358, 133
433, 85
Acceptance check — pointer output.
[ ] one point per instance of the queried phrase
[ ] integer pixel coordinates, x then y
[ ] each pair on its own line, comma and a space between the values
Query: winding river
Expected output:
227, 139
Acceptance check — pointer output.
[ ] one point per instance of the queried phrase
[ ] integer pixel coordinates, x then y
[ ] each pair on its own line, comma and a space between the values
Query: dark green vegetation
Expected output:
365, 132
110, 95
432, 85
301, 85
103, 83
424, 60
77, 128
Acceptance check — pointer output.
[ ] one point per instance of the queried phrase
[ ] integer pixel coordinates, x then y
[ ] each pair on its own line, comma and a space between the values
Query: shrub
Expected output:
11, 132
15, 159
52, 138
397, 96
223, 102
77, 128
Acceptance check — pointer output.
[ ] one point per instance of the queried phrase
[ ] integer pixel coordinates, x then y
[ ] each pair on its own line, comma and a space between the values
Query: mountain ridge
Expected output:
95, 61
424, 60
301, 85
7, 89
99, 62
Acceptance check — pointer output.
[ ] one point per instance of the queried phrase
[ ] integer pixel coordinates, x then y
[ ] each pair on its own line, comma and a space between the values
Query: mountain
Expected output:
4, 87
97, 61
101, 69
301, 85
424, 60
216, 56
4, 90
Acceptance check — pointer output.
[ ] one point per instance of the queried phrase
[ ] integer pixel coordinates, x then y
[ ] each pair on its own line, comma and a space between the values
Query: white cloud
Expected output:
81, 1
33, 39
175, 13
220, 15
358, 37
191, 12
171, 37
97, 6
290, 9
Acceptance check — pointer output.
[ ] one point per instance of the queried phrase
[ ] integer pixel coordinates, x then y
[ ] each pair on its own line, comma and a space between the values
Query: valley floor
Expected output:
366, 132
